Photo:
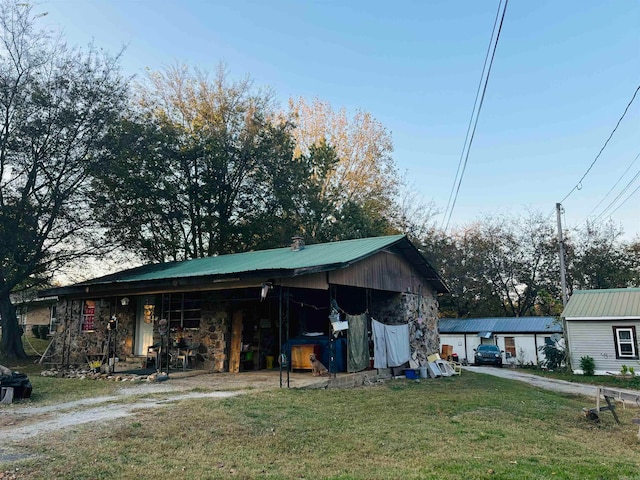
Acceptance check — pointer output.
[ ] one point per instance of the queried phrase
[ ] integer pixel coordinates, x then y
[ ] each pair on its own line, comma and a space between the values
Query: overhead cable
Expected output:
578, 186
477, 116
604, 212
473, 110
612, 188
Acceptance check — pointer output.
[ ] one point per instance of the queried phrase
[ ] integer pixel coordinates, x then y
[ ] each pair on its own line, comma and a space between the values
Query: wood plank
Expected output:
622, 395
236, 341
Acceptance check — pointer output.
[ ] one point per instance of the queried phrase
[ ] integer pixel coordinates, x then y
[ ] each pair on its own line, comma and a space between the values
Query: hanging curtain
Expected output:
358, 343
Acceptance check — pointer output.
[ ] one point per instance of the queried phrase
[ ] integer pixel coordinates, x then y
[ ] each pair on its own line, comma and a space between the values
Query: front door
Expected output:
144, 326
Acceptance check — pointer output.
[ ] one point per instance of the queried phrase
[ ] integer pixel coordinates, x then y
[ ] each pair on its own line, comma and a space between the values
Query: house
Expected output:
518, 337
242, 311
35, 312
603, 324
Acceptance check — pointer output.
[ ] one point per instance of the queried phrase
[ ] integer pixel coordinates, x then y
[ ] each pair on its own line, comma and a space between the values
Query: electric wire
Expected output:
578, 186
625, 200
612, 188
475, 124
473, 110
604, 212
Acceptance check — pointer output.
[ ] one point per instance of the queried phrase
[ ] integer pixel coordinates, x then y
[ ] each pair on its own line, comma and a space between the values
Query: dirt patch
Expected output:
20, 422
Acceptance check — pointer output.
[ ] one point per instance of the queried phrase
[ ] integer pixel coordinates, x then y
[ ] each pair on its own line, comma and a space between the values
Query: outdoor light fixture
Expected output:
124, 301
265, 290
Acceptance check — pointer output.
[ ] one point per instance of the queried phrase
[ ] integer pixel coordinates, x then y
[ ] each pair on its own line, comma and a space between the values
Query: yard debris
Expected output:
87, 373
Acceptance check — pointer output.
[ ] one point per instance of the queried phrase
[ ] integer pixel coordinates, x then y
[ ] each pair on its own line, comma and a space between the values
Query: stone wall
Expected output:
420, 312
70, 344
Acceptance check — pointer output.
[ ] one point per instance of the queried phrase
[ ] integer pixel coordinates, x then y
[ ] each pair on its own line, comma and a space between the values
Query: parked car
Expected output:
488, 355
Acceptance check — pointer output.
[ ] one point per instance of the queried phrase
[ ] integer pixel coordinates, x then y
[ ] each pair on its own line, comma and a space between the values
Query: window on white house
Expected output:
510, 347
626, 342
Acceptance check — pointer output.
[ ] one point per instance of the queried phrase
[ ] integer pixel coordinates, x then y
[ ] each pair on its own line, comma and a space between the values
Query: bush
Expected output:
555, 356
588, 365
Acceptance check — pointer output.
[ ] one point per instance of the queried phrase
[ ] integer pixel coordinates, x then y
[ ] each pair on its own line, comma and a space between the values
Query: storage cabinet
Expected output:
300, 356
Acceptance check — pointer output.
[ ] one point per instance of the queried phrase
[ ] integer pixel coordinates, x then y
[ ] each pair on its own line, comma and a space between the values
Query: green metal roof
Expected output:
594, 304
279, 262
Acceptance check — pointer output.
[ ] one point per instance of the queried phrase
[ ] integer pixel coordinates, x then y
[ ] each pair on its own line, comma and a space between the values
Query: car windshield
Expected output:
487, 348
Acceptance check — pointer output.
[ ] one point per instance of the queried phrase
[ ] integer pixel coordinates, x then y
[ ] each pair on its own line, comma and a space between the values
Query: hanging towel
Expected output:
379, 344
358, 344
398, 348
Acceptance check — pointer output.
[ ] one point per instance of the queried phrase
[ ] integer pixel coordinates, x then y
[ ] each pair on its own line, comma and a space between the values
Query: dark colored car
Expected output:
488, 355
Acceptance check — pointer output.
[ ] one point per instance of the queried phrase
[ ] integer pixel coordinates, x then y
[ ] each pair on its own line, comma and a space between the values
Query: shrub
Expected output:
588, 365
555, 357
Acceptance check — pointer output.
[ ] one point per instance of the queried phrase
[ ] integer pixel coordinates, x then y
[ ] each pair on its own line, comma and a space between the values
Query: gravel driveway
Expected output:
543, 382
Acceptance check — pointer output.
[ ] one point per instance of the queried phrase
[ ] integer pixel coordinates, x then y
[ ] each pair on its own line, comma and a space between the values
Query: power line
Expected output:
612, 188
625, 200
475, 123
579, 184
475, 103
603, 213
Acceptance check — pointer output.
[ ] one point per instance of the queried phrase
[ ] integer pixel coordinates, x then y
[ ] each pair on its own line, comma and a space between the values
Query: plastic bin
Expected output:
411, 373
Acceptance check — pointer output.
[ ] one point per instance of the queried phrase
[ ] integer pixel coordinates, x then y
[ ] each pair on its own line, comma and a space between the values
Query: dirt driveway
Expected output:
18, 422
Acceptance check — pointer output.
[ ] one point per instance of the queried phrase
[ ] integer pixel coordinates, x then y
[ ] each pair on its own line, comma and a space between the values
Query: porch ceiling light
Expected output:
124, 301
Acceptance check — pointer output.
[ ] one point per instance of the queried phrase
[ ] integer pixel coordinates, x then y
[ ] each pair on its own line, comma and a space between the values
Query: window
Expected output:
88, 315
182, 310
510, 347
625, 341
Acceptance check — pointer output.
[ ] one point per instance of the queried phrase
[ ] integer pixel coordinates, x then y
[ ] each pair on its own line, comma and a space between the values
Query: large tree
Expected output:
201, 166
599, 258
499, 266
55, 106
364, 184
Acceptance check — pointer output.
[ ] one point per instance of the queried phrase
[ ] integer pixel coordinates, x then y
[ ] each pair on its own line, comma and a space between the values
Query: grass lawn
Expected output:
614, 381
472, 426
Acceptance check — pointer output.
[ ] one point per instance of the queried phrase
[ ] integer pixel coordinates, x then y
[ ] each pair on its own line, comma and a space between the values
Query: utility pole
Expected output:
563, 279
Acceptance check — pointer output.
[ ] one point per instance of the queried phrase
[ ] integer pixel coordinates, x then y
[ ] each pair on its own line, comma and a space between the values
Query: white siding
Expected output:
525, 345
595, 339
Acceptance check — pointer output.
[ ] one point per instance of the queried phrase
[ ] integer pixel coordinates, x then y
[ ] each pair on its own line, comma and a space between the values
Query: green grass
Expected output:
471, 426
628, 382
48, 390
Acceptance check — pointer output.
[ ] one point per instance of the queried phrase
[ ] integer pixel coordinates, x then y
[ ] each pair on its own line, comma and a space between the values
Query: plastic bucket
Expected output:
423, 372
269, 360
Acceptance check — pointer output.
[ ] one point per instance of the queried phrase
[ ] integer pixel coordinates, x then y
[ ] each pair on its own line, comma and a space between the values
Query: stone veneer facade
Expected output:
70, 344
421, 312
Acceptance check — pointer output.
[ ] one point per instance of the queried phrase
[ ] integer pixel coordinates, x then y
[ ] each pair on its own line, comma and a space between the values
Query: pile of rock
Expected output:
87, 373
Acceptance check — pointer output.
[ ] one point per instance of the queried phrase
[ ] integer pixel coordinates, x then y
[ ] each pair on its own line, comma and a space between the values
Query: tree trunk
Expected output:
11, 344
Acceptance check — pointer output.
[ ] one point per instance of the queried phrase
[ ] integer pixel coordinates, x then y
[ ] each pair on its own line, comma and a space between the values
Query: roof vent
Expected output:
297, 243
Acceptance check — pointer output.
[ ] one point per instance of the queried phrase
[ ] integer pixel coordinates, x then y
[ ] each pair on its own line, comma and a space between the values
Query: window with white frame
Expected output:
626, 342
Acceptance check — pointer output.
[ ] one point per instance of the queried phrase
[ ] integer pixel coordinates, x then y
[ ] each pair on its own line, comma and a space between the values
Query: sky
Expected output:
563, 74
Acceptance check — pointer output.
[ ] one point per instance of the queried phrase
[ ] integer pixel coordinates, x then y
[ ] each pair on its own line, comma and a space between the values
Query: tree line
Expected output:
187, 163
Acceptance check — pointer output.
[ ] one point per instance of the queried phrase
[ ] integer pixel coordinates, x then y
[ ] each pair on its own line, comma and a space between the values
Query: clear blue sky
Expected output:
563, 73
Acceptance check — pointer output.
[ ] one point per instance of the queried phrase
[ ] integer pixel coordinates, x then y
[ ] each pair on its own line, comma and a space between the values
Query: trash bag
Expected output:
20, 382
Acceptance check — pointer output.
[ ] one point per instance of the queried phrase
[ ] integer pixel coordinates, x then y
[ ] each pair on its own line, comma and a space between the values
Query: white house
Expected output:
603, 324
518, 337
